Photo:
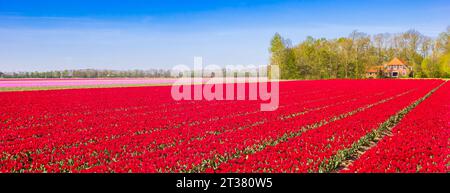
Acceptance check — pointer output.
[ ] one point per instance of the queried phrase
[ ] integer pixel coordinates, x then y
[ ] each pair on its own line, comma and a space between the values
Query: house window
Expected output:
394, 74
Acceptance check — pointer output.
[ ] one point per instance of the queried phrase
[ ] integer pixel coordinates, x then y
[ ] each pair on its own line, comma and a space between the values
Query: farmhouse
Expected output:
397, 68
374, 71
394, 69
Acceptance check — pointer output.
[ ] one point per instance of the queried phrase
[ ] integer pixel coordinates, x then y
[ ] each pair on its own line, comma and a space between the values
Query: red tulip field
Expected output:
343, 126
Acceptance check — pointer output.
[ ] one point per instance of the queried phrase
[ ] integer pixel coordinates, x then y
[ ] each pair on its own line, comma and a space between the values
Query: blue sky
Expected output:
138, 34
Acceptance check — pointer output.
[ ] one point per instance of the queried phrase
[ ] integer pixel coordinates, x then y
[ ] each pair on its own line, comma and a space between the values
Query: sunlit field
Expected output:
319, 126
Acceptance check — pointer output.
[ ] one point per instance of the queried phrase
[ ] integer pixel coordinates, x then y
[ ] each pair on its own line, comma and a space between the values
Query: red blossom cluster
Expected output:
420, 143
142, 129
306, 152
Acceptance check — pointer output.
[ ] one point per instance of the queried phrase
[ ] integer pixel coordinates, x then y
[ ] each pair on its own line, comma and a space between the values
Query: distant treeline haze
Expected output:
350, 57
90, 73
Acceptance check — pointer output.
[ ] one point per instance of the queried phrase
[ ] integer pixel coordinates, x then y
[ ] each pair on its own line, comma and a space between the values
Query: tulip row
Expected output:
143, 129
79, 153
419, 143
199, 155
78, 127
306, 152
98, 134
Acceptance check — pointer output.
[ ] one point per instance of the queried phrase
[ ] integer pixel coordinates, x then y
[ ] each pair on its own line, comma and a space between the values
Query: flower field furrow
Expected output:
306, 152
142, 129
195, 134
77, 152
127, 132
419, 143
213, 147
130, 115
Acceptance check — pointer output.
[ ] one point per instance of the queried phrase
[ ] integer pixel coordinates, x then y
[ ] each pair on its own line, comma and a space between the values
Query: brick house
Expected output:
374, 72
396, 68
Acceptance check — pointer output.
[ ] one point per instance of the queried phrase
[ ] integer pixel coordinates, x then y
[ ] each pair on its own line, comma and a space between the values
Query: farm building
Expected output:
394, 69
374, 72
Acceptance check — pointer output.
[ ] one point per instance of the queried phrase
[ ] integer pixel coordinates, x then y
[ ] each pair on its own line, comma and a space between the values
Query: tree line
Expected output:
90, 73
153, 73
350, 57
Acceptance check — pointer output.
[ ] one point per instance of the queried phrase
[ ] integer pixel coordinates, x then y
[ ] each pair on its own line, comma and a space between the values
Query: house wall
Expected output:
400, 69
371, 75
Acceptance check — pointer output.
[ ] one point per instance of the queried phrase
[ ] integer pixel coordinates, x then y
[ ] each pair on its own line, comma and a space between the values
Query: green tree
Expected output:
283, 56
277, 47
444, 65
351, 56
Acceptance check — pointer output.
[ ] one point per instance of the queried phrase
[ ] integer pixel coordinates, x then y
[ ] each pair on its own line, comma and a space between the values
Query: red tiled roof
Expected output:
374, 69
396, 61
